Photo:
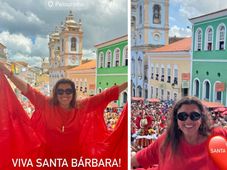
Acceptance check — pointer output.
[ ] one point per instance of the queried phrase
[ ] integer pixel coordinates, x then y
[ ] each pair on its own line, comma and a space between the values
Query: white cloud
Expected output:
12, 14
21, 48
32, 61
16, 42
179, 32
31, 17
6, 15
89, 54
40, 47
193, 8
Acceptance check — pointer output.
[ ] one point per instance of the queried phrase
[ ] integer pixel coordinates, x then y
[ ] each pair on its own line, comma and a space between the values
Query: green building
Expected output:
112, 65
209, 57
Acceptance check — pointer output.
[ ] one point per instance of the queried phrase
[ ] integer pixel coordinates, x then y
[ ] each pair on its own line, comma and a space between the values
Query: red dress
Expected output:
66, 132
55, 133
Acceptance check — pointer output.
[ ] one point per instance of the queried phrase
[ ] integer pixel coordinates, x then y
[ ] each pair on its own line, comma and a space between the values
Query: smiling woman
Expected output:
184, 142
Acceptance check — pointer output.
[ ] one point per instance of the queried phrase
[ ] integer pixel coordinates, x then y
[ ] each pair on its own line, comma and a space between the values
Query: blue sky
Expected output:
174, 11
181, 10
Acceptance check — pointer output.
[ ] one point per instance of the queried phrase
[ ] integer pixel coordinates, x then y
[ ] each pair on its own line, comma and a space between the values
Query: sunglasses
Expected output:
183, 116
66, 91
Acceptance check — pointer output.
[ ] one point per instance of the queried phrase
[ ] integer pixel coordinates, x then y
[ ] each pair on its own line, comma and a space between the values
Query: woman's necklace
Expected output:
63, 129
64, 117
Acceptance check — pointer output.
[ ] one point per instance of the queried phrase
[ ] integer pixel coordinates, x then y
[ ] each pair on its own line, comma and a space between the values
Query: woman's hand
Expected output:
20, 84
123, 86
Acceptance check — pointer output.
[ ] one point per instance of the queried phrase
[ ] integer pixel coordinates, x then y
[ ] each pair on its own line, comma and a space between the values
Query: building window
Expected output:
124, 97
198, 40
152, 91
108, 59
152, 71
175, 80
156, 93
209, 39
162, 94
221, 37
139, 88
125, 57
162, 73
168, 95
168, 74
157, 73
156, 14
73, 44
218, 96
206, 92
196, 88
146, 93
140, 67
140, 14
174, 96
133, 67
145, 72
116, 57
101, 60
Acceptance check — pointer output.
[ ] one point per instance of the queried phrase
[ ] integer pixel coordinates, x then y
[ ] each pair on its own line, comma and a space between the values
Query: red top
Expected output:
190, 157
64, 132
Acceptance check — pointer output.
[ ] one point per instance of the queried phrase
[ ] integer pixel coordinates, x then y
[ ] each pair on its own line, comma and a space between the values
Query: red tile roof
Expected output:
88, 65
181, 45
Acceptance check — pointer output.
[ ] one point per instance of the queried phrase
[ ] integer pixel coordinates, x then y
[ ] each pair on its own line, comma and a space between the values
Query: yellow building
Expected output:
169, 70
84, 77
65, 46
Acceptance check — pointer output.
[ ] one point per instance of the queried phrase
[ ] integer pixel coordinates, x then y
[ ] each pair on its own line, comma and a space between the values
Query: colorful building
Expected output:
209, 62
65, 46
84, 77
150, 29
112, 65
169, 70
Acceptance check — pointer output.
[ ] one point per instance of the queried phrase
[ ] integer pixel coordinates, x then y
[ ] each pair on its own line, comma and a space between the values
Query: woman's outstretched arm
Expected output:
122, 86
20, 84
104, 97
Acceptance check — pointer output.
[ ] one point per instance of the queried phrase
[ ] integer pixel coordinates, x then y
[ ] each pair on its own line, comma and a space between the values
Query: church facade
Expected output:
65, 47
150, 29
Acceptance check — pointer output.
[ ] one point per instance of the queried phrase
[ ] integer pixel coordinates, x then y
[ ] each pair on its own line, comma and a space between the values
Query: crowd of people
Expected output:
148, 121
111, 116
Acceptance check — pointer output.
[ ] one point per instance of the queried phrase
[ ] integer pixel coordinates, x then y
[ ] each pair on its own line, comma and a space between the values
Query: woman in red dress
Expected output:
66, 126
